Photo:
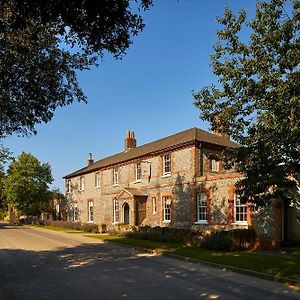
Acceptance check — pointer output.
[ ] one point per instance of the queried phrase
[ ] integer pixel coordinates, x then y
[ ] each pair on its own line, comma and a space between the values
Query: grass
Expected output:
278, 266
58, 228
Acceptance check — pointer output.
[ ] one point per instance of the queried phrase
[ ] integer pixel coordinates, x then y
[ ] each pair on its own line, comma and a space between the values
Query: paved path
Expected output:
42, 264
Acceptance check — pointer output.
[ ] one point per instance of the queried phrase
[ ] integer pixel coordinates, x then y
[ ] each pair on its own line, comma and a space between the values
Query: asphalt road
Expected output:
42, 264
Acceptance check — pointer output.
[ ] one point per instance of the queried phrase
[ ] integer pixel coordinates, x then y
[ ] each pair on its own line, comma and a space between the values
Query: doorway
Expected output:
125, 213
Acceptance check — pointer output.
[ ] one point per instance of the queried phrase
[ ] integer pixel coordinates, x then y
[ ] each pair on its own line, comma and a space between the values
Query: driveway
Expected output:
42, 264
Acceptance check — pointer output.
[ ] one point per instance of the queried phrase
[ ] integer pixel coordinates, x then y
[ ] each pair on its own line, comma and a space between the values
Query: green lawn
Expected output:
58, 228
268, 264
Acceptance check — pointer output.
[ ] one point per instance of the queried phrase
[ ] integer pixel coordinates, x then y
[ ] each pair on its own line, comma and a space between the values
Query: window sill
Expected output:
115, 223
115, 185
138, 181
166, 175
201, 223
90, 222
242, 223
167, 221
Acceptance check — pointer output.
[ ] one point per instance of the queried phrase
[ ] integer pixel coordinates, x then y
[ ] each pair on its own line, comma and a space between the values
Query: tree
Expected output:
26, 184
257, 100
44, 43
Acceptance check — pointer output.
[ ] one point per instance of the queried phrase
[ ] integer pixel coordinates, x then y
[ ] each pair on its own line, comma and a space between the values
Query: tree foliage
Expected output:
257, 99
44, 43
26, 184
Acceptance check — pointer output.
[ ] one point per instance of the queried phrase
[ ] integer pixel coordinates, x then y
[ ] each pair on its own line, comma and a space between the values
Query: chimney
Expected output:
130, 141
90, 160
220, 127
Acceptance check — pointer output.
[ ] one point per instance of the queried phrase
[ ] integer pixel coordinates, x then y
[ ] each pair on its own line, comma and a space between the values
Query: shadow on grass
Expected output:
278, 266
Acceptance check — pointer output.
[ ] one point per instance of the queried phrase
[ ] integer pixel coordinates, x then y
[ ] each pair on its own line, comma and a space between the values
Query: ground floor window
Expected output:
116, 211
202, 208
153, 205
75, 212
240, 210
167, 202
90, 211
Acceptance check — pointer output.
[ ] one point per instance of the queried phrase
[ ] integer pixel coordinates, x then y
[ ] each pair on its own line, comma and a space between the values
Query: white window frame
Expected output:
201, 208
116, 213
215, 165
68, 185
154, 208
81, 183
166, 165
90, 211
167, 209
115, 176
75, 212
97, 179
240, 211
138, 172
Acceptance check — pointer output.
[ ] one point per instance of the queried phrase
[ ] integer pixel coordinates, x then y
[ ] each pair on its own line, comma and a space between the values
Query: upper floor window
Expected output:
68, 185
116, 176
116, 210
97, 179
166, 165
81, 183
214, 165
167, 202
201, 163
240, 210
138, 172
90, 211
201, 208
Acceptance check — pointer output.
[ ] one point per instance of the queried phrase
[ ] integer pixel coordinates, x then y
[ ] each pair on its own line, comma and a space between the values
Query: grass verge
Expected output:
277, 266
58, 228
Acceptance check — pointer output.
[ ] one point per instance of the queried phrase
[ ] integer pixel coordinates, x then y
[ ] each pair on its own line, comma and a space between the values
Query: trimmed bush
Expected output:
86, 227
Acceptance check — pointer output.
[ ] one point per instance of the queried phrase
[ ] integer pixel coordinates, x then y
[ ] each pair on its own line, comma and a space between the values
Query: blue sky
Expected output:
149, 91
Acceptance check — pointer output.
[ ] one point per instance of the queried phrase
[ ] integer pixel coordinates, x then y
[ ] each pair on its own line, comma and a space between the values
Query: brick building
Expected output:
175, 181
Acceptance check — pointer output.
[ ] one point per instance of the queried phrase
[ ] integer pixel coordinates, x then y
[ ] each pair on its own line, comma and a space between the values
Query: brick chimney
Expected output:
130, 141
90, 159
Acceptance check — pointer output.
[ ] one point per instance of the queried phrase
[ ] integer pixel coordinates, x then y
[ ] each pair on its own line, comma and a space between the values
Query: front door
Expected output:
126, 213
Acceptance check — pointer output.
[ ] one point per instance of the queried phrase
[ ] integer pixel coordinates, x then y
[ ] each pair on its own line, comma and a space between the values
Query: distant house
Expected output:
175, 181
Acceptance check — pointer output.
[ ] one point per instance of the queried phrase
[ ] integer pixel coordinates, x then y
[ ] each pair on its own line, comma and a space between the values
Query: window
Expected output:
81, 183
90, 211
116, 211
201, 208
153, 205
167, 208
116, 176
166, 165
75, 212
97, 179
138, 172
68, 186
240, 210
214, 165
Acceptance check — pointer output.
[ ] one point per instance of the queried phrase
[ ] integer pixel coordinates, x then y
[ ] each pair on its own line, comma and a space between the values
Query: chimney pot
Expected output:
90, 159
130, 141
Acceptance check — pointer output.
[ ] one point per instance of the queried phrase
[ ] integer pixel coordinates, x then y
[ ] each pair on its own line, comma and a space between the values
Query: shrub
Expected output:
218, 241
161, 234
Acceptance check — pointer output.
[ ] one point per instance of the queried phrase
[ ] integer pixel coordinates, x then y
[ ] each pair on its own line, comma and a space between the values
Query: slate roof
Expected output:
173, 141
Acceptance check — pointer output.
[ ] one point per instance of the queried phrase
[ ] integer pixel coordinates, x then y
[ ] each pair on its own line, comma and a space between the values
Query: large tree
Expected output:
257, 98
26, 184
44, 43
